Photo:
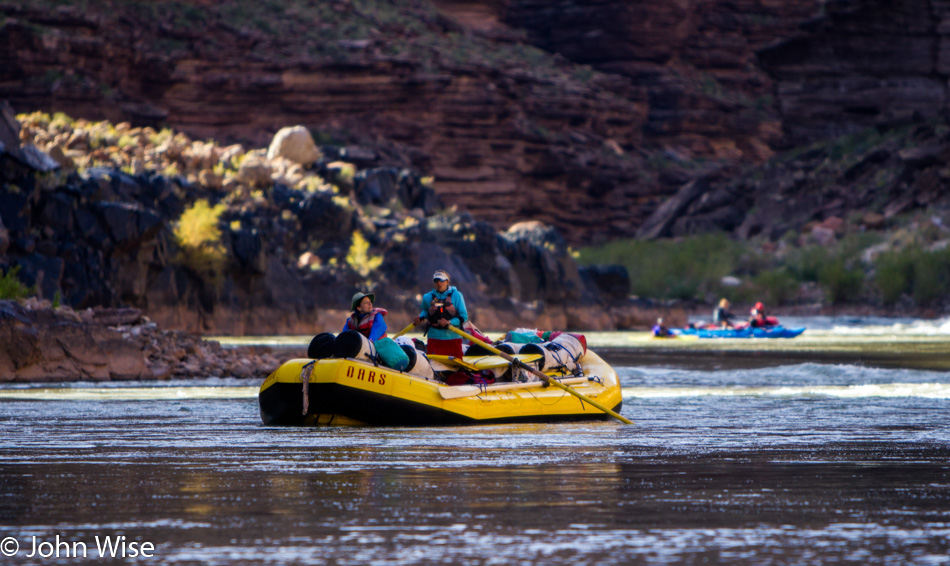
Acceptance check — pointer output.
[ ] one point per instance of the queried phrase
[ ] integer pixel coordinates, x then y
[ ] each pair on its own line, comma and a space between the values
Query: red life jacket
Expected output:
366, 326
763, 321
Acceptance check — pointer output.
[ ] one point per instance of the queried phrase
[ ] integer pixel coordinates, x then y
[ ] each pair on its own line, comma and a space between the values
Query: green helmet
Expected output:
355, 301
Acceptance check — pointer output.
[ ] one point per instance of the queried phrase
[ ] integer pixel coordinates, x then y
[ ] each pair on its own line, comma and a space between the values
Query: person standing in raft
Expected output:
443, 306
365, 318
721, 316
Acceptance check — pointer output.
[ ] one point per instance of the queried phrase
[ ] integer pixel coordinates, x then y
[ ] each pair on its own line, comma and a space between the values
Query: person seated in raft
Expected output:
442, 306
661, 331
365, 318
759, 318
721, 315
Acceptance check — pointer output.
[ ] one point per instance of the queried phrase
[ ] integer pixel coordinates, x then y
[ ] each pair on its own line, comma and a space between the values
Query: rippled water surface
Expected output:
743, 452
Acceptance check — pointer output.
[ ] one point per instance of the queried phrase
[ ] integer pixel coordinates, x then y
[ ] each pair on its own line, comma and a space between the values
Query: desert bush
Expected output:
40, 120
806, 264
894, 274
921, 274
775, 286
931, 277
853, 244
826, 264
199, 239
840, 282
358, 257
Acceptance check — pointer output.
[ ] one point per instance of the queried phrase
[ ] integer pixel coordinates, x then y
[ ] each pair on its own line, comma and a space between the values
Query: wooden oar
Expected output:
404, 330
538, 373
460, 391
452, 361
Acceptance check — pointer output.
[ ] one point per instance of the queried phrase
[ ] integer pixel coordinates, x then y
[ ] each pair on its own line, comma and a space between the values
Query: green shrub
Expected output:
12, 288
924, 275
776, 286
840, 283
931, 277
806, 264
61, 122
894, 275
853, 244
689, 268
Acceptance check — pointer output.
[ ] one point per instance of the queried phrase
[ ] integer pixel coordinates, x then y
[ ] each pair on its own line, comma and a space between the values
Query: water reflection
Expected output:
595, 500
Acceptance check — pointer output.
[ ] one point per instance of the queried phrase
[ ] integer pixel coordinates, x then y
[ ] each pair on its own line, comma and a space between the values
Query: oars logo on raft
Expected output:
364, 374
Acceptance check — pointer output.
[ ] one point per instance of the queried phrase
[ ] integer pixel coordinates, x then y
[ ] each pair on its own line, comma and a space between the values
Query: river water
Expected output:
832, 447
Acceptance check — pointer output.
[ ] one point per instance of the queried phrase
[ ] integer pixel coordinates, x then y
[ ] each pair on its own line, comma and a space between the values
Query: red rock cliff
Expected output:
508, 132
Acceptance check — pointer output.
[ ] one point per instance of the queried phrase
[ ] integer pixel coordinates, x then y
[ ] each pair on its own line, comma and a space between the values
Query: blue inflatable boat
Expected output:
746, 332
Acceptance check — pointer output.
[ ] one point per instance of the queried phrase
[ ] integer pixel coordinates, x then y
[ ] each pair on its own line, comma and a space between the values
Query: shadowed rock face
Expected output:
864, 63
692, 61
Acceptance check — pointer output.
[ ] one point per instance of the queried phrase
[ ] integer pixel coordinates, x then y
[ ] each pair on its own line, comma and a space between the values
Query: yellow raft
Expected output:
354, 392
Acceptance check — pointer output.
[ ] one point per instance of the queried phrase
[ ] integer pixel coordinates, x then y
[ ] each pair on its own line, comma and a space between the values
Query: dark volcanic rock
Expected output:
324, 219
612, 280
248, 249
129, 224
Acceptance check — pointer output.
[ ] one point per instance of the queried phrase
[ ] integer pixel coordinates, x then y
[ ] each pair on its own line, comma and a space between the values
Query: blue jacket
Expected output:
458, 301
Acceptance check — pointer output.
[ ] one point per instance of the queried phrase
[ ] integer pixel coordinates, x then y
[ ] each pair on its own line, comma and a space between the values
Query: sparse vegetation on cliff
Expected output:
12, 288
238, 234
199, 238
359, 259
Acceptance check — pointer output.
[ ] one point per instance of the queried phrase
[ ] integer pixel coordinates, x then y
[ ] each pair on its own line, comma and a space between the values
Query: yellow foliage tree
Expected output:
358, 257
199, 238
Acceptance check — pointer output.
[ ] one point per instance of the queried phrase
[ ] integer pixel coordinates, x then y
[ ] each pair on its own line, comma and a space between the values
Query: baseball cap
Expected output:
440, 276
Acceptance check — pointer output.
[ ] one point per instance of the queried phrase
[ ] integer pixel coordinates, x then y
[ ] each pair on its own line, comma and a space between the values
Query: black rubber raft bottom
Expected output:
282, 403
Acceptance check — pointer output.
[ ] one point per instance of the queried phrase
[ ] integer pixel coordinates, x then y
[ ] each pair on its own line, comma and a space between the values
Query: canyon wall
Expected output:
639, 99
